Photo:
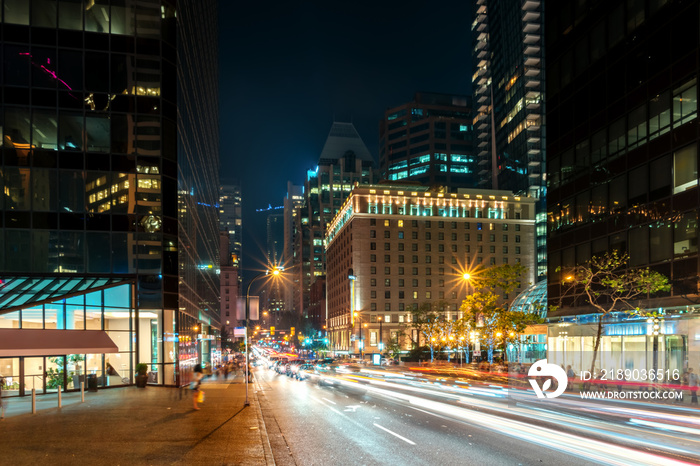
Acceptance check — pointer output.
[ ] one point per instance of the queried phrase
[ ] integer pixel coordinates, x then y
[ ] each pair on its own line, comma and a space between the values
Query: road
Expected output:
369, 418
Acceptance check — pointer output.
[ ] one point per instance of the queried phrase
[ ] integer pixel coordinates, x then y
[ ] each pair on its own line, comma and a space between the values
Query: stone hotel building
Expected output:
394, 247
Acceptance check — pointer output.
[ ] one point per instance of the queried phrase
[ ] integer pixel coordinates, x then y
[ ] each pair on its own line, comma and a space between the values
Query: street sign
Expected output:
239, 332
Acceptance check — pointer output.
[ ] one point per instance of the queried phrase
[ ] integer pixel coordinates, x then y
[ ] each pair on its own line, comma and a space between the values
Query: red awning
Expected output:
16, 342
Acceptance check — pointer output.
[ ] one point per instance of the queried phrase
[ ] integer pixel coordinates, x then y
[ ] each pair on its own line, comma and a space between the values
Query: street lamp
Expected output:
275, 271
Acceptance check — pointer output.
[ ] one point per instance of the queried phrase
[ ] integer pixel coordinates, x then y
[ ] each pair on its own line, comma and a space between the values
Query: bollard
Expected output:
82, 392
33, 401
59, 396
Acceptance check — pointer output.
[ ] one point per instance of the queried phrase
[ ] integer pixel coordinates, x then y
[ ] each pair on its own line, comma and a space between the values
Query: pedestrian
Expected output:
196, 385
693, 383
2, 402
570, 372
250, 372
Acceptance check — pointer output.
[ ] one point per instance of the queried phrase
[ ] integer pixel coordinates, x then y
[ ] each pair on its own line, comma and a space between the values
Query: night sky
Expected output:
289, 68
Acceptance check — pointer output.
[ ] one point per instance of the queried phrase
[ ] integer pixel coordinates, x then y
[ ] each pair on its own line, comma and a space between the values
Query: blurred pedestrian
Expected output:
693, 383
196, 385
2, 401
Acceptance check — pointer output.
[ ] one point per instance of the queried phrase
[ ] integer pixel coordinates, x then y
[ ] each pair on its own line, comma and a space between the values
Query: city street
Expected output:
418, 421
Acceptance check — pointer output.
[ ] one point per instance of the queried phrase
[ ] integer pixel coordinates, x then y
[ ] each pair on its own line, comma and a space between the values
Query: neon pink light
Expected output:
53, 74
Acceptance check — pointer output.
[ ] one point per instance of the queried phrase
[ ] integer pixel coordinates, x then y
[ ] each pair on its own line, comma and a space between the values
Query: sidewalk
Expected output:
152, 425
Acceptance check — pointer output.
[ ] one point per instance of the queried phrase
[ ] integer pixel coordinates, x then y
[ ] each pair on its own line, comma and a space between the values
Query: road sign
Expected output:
239, 332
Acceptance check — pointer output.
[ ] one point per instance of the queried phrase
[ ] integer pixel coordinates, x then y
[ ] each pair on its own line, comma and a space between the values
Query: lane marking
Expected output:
394, 434
332, 402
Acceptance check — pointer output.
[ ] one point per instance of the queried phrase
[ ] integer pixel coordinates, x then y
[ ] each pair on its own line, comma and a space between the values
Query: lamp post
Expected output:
363, 343
274, 271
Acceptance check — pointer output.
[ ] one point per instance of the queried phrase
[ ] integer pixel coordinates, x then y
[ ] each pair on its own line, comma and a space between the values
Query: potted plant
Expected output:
141, 374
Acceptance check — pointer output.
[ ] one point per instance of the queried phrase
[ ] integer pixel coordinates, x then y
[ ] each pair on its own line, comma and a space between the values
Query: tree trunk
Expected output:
597, 344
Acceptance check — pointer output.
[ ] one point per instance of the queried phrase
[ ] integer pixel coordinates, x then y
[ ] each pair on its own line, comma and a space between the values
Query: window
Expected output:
387, 307
387, 294
401, 235
372, 246
659, 115
401, 294
387, 318
372, 221
414, 271
400, 223
428, 224
414, 259
454, 225
373, 270
373, 294
400, 270
505, 238
428, 295
387, 233
387, 246
517, 227
373, 306
414, 247
517, 249
441, 259
504, 227
373, 258
492, 238
685, 168
387, 270
492, 249
428, 283
400, 282
372, 282
505, 249
466, 237
441, 271
415, 295
373, 233
492, 261
414, 282
387, 258
427, 235
454, 260
428, 271
427, 247
441, 224
517, 238
414, 223
401, 258
401, 315
428, 259
685, 103
414, 235
441, 247
479, 237
441, 283
454, 236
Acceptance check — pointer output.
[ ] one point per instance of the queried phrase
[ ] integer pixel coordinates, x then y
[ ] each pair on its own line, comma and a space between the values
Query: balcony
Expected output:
532, 38
532, 83
531, 16
531, 28
529, 5
532, 61
532, 71
532, 50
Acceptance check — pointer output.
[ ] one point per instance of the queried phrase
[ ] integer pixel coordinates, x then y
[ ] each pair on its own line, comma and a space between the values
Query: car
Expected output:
305, 371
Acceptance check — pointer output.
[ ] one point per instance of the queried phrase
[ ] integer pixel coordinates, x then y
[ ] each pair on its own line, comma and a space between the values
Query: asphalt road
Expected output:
310, 424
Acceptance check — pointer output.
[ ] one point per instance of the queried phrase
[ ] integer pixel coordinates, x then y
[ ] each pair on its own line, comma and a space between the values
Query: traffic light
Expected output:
292, 331
272, 330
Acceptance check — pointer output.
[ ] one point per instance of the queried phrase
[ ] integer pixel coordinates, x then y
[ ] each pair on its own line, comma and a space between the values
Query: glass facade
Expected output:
89, 174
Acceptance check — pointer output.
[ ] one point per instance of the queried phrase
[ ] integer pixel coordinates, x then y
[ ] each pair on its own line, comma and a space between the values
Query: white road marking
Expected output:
395, 434
331, 402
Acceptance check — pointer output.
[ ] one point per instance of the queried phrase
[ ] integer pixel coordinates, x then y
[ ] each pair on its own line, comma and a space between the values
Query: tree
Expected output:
429, 321
485, 308
608, 285
225, 338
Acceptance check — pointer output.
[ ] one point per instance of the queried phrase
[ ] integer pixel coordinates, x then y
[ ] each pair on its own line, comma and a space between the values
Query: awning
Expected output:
16, 342
18, 292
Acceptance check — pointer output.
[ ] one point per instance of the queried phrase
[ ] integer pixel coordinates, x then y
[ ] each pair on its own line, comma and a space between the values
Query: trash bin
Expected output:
92, 382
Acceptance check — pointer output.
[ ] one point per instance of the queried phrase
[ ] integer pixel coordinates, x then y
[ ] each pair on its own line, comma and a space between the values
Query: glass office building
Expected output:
109, 198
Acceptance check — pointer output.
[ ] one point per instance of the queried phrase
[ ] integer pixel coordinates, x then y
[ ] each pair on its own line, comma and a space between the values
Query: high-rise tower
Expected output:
508, 85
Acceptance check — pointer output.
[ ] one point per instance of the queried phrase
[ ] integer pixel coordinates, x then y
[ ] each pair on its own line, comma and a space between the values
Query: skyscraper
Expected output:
429, 140
231, 219
623, 168
109, 212
293, 204
508, 85
344, 161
